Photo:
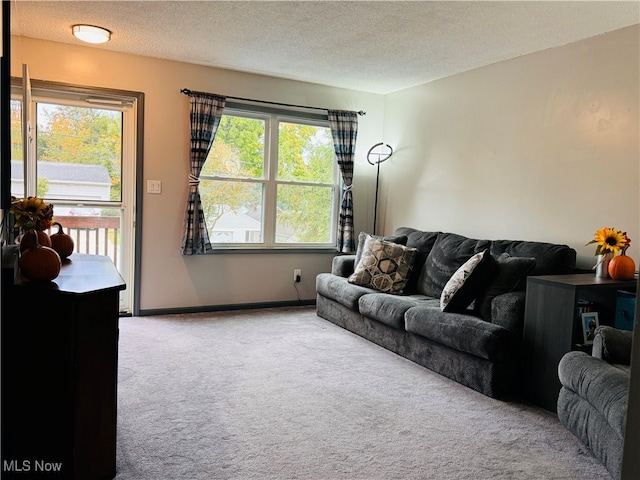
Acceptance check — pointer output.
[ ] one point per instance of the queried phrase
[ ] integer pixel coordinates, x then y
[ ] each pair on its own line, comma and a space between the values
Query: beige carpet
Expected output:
283, 394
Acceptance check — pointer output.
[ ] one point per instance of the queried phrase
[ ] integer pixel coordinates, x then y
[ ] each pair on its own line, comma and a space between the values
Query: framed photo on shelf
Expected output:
589, 324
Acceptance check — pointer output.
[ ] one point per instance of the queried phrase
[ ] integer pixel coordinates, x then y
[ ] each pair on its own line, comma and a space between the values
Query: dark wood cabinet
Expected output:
59, 373
552, 327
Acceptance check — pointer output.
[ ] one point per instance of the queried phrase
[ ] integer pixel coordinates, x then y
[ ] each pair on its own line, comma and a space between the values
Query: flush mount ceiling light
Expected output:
91, 34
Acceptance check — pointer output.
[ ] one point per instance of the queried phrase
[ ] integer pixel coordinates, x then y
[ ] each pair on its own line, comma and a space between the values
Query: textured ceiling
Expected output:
377, 47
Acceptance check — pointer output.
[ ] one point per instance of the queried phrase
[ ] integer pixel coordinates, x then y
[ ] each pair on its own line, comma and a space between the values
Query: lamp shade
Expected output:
91, 34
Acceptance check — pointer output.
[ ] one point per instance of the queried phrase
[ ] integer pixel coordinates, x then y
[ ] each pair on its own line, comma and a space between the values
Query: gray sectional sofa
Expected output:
477, 345
593, 399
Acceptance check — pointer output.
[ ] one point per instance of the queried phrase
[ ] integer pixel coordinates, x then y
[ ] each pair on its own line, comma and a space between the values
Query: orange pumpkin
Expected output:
28, 240
61, 242
39, 263
622, 267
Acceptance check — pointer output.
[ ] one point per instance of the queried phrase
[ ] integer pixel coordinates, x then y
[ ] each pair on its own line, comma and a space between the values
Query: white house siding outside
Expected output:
67, 182
74, 185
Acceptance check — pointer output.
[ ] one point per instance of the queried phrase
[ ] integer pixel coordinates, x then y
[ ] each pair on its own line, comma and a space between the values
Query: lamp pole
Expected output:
377, 154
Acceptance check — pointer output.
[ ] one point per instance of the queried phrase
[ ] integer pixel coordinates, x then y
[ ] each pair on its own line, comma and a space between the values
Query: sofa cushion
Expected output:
362, 237
551, 259
509, 276
383, 266
462, 332
389, 309
449, 252
465, 284
613, 345
340, 290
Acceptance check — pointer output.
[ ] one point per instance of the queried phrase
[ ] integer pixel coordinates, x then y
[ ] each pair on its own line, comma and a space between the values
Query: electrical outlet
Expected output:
297, 275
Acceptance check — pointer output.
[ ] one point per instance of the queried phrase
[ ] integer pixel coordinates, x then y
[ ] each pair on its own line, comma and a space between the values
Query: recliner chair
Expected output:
593, 399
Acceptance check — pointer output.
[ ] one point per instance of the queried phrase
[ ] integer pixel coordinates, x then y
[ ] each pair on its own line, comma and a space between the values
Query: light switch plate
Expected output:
154, 186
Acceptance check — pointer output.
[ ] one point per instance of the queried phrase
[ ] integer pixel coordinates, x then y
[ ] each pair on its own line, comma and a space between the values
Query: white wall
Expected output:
170, 280
543, 147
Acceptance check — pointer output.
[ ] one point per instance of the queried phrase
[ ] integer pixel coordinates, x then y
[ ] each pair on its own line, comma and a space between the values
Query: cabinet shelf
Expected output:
551, 328
59, 372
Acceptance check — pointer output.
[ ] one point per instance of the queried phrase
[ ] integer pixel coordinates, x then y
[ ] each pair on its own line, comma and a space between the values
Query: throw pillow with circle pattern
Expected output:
384, 266
362, 237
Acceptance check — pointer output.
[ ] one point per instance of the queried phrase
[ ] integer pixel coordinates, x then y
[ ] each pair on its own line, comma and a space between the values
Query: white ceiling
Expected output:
377, 47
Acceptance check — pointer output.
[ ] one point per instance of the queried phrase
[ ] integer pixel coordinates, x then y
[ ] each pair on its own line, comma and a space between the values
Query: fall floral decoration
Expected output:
610, 240
31, 213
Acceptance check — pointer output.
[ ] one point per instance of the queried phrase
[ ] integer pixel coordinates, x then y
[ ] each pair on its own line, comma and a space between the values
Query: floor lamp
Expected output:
380, 152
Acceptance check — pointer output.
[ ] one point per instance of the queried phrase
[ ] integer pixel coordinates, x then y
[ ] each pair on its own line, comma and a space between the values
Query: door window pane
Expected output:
79, 153
96, 231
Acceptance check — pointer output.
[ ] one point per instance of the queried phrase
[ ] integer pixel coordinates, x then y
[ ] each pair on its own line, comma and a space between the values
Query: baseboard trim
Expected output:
228, 307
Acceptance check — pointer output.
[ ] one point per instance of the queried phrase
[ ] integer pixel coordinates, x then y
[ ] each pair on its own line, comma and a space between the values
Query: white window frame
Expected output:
272, 118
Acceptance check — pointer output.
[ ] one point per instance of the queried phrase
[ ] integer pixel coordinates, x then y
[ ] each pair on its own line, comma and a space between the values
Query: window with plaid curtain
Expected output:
344, 129
206, 111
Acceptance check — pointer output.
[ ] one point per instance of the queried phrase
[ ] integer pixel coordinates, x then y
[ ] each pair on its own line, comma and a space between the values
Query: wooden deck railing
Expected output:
92, 234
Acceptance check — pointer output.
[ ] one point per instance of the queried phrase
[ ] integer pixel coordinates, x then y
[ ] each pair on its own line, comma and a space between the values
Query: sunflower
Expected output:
31, 213
609, 240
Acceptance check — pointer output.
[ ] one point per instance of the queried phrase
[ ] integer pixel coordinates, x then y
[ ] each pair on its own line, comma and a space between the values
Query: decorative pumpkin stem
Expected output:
36, 244
62, 242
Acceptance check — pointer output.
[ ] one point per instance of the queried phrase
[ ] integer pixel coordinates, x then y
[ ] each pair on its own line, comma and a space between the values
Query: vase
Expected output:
602, 266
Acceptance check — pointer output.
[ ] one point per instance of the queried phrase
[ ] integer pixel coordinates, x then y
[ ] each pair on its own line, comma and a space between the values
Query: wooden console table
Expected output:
59, 373
551, 326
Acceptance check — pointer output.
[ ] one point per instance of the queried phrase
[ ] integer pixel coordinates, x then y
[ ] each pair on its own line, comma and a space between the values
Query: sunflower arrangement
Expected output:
610, 240
31, 213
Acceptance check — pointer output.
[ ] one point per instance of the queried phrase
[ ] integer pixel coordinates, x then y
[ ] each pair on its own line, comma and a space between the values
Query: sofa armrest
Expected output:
603, 385
343, 265
612, 345
507, 310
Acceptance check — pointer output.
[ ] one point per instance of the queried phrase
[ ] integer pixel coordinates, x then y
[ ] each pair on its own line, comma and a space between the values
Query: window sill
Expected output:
273, 250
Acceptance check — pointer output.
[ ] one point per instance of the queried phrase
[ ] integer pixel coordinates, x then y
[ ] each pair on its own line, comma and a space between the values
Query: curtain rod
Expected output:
186, 91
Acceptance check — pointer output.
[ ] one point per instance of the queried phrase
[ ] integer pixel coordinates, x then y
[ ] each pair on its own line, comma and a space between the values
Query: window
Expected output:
270, 181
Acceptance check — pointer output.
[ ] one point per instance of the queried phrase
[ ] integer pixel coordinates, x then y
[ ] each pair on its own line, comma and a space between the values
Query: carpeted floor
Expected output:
283, 394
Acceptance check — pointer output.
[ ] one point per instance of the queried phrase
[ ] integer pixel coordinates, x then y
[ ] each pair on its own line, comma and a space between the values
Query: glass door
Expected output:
83, 162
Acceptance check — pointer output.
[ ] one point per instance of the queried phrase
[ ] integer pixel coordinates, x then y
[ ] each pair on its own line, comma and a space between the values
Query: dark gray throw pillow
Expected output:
449, 252
399, 239
465, 284
509, 276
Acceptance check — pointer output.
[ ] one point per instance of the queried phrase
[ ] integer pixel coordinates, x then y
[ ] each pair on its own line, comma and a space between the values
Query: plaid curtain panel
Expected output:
344, 130
206, 111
